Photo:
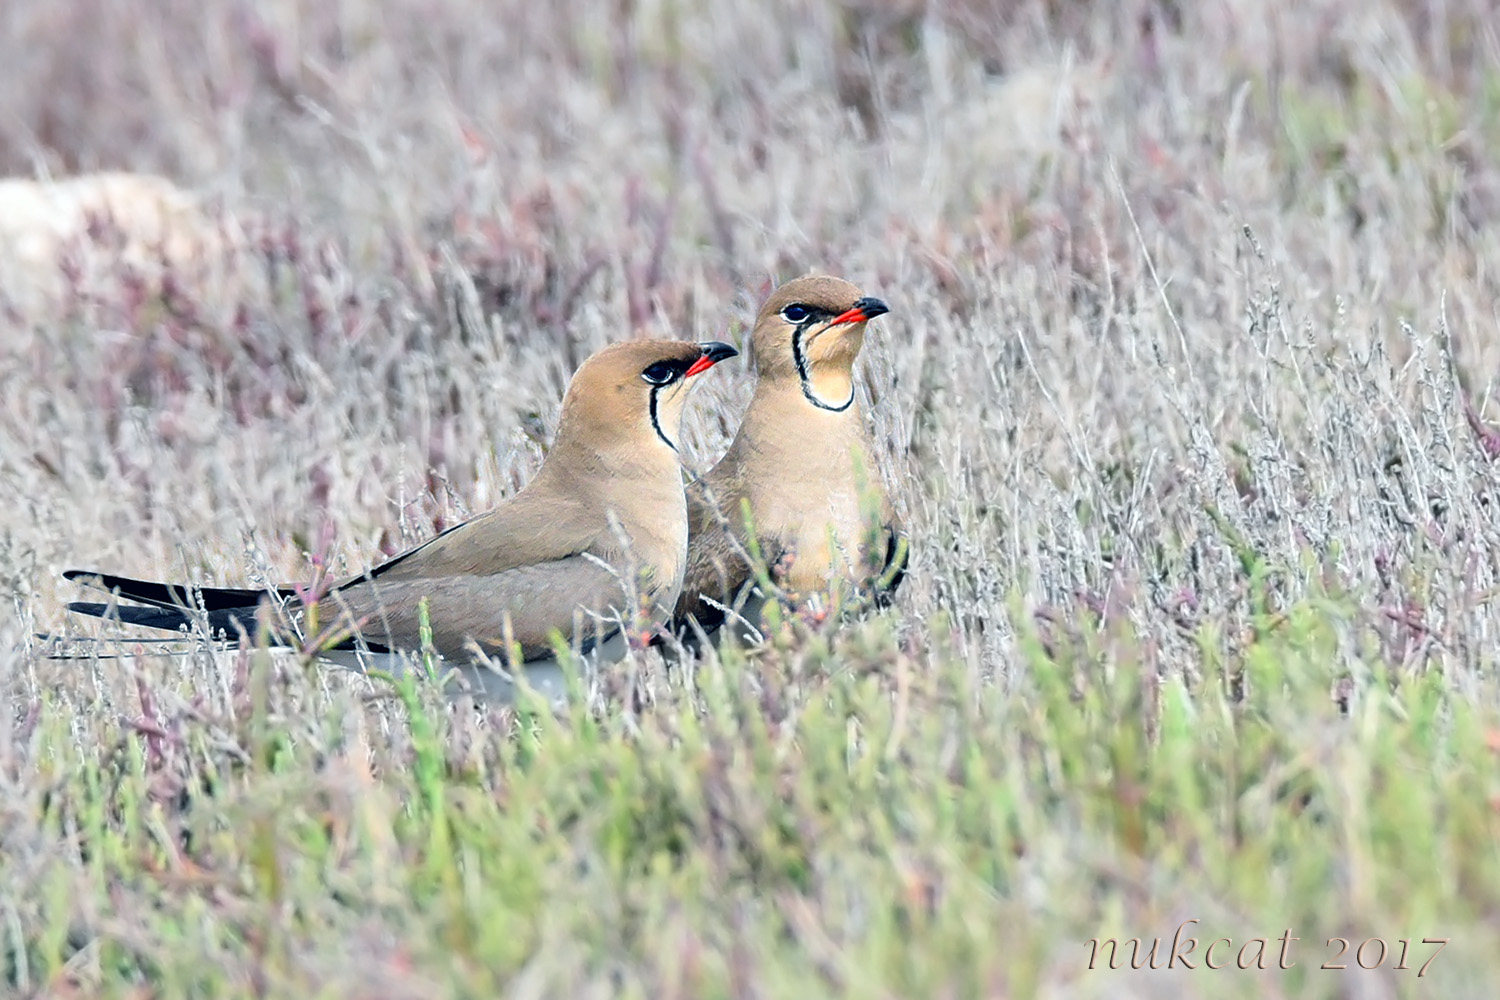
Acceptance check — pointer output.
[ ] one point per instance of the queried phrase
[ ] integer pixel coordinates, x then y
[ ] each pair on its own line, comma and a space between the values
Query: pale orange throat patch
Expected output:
832, 387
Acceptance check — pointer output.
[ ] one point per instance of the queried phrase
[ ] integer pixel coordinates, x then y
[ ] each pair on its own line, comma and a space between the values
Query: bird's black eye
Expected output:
795, 313
660, 372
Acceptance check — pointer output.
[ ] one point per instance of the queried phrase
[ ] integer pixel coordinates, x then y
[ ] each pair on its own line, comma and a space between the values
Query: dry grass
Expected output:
1190, 360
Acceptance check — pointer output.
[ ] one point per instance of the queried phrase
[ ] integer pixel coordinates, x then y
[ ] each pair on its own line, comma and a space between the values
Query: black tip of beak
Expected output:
862, 311
713, 353
716, 351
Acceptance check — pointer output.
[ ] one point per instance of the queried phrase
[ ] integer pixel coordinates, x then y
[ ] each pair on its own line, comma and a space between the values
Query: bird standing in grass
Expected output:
802, 466
593, 547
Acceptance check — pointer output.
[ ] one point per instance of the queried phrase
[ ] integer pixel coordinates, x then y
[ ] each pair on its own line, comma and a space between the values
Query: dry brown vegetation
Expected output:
1190, 364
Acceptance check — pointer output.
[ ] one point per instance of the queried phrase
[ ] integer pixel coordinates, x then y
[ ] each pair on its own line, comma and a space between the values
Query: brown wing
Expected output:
535, 599
526, 529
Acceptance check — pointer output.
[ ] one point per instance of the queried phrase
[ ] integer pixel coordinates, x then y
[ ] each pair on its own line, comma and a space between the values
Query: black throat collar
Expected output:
656, 424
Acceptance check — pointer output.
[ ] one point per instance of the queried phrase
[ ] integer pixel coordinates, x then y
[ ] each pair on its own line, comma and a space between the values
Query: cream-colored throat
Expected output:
828, 388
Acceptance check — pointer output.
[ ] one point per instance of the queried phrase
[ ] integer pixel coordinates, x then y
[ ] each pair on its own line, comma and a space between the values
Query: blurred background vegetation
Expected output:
1189, 370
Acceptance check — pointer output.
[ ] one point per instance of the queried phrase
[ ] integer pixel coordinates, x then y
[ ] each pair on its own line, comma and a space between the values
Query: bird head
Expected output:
810, 330
632, 393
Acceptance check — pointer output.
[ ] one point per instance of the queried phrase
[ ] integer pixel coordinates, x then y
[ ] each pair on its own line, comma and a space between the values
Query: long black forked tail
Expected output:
173, 607
227, 611
172, 595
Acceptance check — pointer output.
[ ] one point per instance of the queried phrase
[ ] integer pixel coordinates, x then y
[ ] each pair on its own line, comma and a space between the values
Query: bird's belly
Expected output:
545, 674
821, 550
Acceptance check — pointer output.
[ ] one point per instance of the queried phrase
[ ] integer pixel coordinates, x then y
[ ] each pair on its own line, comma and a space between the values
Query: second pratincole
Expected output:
593, 547
803, 462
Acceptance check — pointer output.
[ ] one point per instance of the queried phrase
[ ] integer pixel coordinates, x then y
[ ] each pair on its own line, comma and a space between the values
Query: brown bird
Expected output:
598, 535
796, 463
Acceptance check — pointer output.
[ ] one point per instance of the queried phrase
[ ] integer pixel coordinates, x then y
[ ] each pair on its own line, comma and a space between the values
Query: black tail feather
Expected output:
228, 621
225, 623
172, 595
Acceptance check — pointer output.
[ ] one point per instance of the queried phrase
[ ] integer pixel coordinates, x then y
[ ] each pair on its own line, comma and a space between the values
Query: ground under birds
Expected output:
592, 547
803, 462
